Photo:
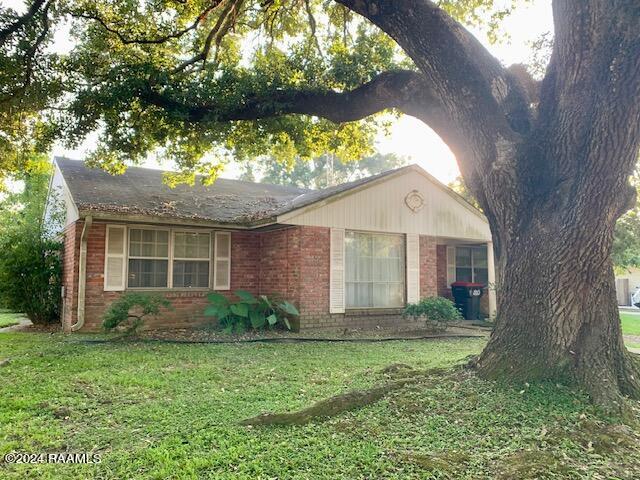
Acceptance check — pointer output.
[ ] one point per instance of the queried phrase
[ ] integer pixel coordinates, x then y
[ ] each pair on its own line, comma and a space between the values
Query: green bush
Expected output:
436, 311
120, 311
30, 277
249, 312
31, 250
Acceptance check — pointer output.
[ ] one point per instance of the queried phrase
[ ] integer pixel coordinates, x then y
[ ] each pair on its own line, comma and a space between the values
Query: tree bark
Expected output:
557, 313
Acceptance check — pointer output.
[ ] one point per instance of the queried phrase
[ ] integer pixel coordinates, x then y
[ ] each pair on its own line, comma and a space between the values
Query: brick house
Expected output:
350, 256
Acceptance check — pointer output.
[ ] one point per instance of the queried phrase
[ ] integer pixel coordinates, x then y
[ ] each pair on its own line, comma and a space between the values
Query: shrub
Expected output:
119, 311
436, 311
249, 312
30, 277
30, 251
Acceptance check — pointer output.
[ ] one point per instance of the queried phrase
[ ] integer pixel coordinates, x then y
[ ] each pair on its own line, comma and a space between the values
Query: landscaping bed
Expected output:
215, 335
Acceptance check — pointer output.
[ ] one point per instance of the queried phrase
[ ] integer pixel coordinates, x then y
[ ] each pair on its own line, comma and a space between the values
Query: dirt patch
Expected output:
448, 462
600, 437
26, 326
534, 464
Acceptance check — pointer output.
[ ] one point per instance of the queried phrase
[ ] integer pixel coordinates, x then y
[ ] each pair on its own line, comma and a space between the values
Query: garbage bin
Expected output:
467, 297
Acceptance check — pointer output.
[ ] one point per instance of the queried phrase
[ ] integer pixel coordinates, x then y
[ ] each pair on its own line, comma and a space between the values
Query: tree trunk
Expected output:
557, 313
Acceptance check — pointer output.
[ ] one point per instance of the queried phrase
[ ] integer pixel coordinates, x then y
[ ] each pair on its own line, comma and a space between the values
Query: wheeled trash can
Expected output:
467, 297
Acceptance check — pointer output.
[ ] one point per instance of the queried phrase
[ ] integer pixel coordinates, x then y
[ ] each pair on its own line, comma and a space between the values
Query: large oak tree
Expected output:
548, 162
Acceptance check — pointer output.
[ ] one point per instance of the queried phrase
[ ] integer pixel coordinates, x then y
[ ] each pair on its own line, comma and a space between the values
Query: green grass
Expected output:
170, 411
8, 318
630, 323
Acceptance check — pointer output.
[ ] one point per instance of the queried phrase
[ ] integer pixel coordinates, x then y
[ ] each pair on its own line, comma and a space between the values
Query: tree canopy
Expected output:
196, 81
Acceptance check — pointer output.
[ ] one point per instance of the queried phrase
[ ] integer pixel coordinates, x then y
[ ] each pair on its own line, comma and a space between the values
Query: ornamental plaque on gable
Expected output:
414, 200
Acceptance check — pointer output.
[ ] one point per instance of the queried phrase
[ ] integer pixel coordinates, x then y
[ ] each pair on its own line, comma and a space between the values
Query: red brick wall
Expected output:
314, 270
292, 262
428, 267
245, 266
188, 305
279, 259
444, 289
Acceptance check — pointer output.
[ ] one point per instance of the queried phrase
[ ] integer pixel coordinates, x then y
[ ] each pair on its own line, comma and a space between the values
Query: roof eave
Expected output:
140, 218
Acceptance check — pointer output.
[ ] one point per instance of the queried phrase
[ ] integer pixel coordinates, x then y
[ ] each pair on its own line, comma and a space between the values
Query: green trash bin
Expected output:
467, 297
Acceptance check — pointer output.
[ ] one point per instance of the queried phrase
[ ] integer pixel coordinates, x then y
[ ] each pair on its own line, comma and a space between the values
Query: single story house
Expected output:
348, 256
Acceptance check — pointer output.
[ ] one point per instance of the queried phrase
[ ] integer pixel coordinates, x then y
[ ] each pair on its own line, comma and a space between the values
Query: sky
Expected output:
408, 136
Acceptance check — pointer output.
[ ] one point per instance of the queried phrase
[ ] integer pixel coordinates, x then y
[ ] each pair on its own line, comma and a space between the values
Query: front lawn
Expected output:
8, 318
630, 323
155, 410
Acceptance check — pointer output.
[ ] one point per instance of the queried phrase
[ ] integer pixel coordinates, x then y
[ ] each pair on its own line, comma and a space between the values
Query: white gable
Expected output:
381, 206
59, 192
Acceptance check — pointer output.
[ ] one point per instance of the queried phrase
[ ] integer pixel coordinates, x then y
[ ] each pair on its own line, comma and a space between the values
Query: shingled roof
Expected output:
141, 191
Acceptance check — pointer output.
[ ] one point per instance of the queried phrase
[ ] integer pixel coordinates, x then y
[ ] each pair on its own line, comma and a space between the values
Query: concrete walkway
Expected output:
631, 310
24, 322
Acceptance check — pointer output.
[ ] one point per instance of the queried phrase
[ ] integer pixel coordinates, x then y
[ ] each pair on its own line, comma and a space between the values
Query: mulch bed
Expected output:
211, 335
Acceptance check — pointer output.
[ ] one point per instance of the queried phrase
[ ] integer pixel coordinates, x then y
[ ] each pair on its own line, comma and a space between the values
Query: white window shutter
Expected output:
413, 268
222, 261
336, 271
115, 246
451, 265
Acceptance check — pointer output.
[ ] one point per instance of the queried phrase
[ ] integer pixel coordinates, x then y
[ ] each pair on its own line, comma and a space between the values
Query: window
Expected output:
471, 264
148, 258
191, 259
374, 270
166, 258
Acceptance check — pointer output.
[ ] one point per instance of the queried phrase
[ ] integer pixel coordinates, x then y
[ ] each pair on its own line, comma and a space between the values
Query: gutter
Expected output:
82, 274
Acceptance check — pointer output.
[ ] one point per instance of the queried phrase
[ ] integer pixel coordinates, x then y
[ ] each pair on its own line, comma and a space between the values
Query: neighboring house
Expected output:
351, 255
627, 283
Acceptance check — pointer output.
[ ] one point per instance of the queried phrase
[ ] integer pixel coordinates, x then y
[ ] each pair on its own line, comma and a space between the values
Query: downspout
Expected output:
82, 273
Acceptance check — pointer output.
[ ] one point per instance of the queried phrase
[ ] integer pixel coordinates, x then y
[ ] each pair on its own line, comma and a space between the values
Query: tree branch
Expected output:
9, 30
220, 29
467, 77
29, 57
149, 41
402, 89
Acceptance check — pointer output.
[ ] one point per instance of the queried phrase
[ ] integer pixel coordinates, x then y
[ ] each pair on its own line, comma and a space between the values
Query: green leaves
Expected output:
257, 319
437, 310
272, 319
249, 311
289, 308
246, 297
240, 309
217, 298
